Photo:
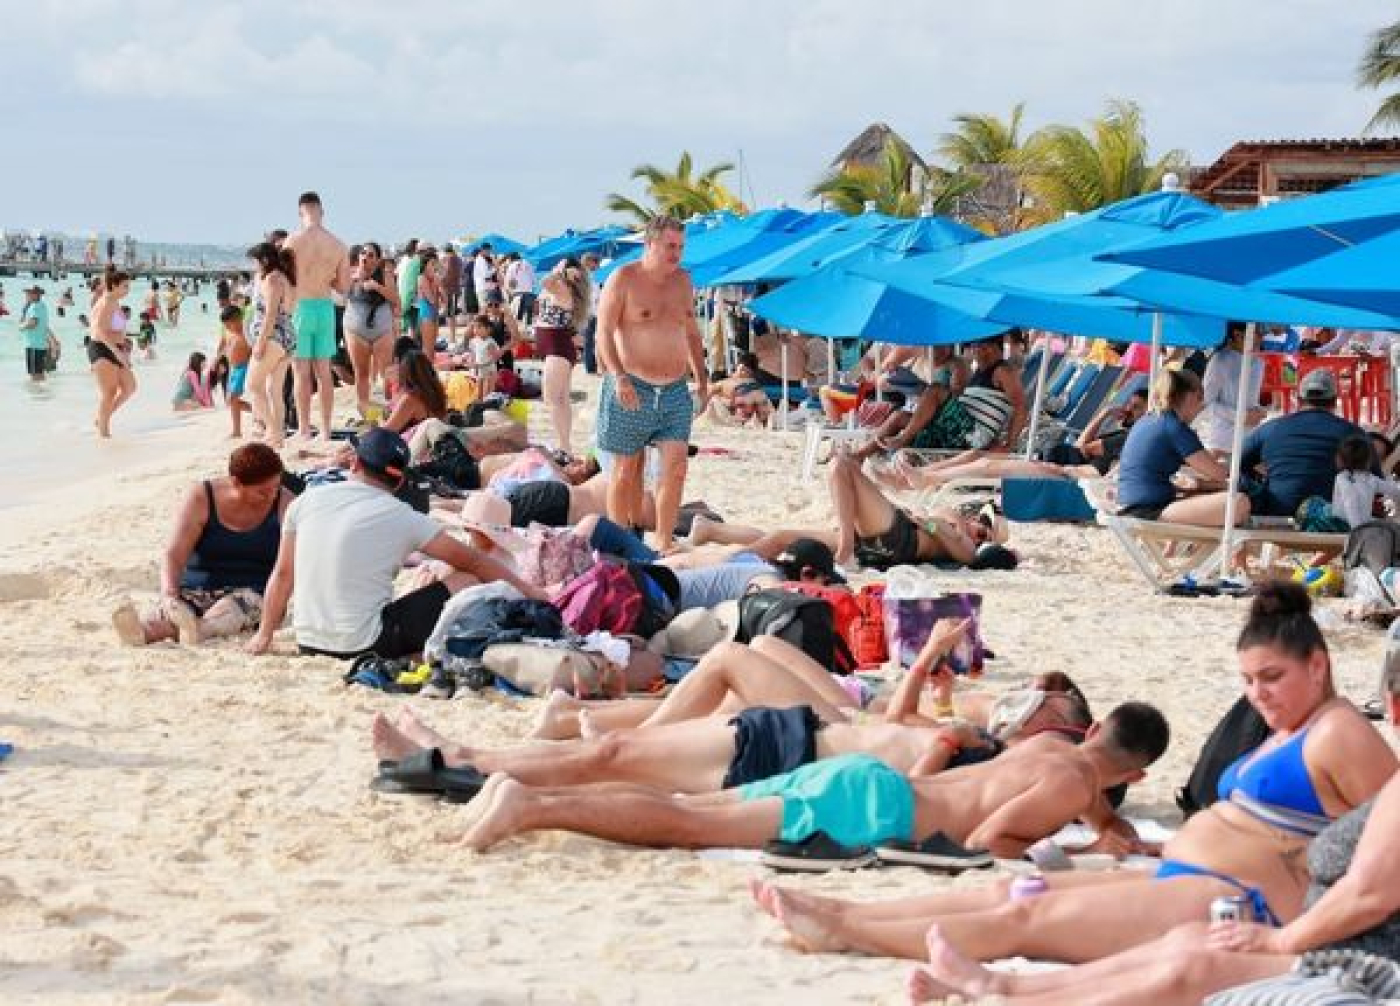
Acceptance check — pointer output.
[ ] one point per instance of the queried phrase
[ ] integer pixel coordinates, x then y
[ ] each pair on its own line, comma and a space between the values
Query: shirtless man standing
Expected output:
647, 339
323, 266
1003, 806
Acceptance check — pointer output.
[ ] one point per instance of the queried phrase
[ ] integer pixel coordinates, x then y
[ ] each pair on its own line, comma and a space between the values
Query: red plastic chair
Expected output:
1375, 389
1347, 370
1276, 385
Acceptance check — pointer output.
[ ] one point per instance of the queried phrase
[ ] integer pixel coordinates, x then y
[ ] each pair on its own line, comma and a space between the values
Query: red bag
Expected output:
858, 618
867, 639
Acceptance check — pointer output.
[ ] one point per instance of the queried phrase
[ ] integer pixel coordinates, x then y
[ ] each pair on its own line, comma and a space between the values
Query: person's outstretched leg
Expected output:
736, 669
621, 812
362, 364
704, 531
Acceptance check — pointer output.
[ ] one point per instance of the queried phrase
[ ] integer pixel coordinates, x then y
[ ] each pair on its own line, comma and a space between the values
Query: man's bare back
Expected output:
1029, 792
653, 319
322, 261
898, 746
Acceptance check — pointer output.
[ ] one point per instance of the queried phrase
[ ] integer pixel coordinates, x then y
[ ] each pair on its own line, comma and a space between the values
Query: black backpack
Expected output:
452, 463
808, 623
1239, 731
1374, 545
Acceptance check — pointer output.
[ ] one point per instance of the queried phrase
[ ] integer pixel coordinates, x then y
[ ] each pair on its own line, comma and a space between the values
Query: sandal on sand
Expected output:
426, 774
938, 852
817, 854
1374, 709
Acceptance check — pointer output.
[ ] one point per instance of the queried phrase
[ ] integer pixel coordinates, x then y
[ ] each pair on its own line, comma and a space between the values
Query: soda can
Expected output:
1028, 886
1235, 909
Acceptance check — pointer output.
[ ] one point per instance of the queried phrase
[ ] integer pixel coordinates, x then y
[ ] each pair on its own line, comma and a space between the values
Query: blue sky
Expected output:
192, 120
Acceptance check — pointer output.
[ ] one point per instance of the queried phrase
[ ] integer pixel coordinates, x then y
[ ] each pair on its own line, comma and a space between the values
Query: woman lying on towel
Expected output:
1323, 761
1092, 455
1158, 446
874, 532
219, 557
1353, 907
771, 672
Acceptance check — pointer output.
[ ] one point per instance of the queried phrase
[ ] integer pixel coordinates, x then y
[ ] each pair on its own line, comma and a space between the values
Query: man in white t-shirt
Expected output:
343, 544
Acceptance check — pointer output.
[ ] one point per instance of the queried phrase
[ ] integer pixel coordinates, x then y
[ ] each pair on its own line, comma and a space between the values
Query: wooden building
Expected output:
1257, 172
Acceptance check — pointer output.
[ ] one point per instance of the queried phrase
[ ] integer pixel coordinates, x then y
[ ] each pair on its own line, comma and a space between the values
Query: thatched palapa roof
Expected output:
869, 147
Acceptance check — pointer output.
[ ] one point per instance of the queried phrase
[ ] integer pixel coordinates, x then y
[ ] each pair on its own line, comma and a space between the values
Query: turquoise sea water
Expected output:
46, 431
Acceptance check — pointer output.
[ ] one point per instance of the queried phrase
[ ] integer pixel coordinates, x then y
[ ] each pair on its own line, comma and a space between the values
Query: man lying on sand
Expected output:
1003, 805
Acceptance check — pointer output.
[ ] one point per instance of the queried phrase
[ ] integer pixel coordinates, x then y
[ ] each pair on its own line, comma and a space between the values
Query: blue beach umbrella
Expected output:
1244, 247
837, 301
499, 243
602, 241
805, 255
1364, 276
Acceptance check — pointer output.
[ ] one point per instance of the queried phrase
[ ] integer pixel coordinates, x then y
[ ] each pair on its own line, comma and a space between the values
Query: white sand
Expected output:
192, 825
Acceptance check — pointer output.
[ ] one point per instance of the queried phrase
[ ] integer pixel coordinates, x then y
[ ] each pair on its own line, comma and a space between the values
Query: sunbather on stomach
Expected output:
1323, 760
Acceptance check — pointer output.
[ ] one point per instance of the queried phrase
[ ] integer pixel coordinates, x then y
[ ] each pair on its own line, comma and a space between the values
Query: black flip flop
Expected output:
426, 774
938, 852
818, 853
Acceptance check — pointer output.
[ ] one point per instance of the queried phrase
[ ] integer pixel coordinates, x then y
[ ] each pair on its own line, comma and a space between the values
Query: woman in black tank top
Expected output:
219, 557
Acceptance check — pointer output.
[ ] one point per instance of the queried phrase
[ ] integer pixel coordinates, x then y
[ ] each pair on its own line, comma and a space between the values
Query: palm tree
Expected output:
1073, 170
991, 149
983, 139
891, 186
1380, 67
680, 193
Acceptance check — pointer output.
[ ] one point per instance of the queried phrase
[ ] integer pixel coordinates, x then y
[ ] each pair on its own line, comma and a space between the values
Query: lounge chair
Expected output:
1166, 553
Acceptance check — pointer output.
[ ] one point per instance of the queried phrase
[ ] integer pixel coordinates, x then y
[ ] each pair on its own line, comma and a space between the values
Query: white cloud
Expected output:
506, 113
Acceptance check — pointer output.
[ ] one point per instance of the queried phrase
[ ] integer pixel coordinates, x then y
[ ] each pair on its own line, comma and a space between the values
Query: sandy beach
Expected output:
193, 825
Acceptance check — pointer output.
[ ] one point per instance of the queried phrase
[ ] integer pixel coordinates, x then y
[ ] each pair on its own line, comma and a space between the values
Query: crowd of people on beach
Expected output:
712, 684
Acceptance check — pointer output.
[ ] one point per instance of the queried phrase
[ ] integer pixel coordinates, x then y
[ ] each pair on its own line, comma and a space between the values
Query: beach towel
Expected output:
912, 609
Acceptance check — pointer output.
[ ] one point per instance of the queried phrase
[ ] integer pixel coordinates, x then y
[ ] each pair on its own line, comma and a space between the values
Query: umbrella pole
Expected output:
1038, 400
783, 392
1227, 538
1156, 362
830, 361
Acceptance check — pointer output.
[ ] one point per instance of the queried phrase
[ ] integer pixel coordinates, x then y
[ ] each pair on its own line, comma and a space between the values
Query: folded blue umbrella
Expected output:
1363, 276
1244, 247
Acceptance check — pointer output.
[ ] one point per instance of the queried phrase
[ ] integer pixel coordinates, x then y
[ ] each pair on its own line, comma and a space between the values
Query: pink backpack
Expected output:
551, 555
603, 598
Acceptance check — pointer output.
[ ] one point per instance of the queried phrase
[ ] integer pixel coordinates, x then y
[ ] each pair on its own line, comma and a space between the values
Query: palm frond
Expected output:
618, 203
1387, 115
1380, 63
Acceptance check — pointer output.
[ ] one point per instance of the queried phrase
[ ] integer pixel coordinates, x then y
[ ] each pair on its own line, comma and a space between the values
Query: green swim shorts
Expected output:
854, 798
314, 319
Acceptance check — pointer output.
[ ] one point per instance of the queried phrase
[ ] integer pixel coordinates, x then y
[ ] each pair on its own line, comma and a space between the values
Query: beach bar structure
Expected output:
1254, 173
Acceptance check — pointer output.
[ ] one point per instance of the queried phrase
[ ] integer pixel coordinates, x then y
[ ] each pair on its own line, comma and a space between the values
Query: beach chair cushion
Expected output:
1033, 499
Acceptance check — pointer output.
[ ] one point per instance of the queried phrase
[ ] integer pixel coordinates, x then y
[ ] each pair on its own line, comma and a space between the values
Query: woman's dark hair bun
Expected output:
1280, 599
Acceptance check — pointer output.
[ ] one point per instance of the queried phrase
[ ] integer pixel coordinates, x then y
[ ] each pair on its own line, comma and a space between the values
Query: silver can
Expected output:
1235, 909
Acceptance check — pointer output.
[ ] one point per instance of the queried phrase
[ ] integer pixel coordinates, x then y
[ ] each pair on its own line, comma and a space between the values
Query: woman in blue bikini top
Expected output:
1324, 760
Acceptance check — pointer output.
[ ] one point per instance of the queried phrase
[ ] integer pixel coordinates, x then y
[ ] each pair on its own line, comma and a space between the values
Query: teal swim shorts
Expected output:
854, 798
314, 319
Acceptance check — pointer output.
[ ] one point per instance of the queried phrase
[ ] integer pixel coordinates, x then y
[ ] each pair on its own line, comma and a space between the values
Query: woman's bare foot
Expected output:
808, 928
127, 621
390, 743
948, 969
501, 817
924, 988
558, 719
185, 619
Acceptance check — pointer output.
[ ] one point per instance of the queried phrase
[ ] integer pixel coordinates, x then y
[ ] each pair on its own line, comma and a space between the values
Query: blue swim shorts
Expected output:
664, 412
314, 318
237, 379
854, 798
